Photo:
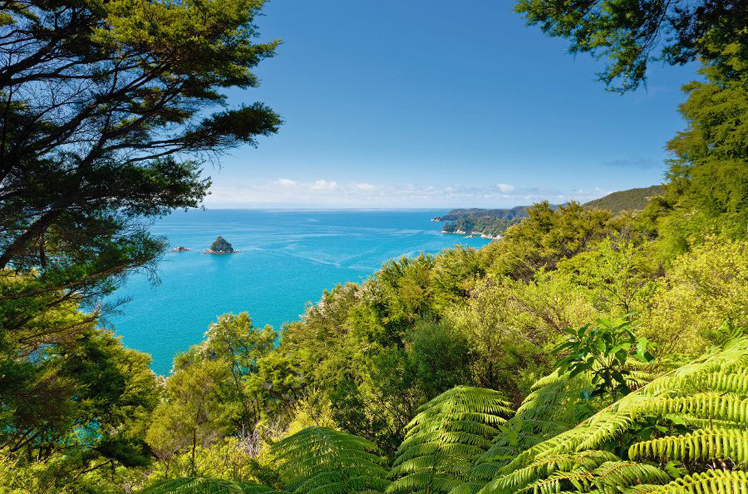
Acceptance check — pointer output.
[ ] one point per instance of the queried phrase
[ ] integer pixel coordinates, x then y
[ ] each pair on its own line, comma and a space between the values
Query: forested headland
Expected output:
586, 351
488, 222
494, 222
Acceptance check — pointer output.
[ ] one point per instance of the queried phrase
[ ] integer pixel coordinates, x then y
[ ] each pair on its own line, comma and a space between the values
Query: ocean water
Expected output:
285, 260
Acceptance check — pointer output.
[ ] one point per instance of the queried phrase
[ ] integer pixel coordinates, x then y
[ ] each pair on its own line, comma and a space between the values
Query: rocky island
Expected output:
220, 246
180, 249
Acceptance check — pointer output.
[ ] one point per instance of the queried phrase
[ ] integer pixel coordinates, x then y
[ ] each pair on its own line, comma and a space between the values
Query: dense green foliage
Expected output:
221, 246
489, 222
629, 34
494, 222
108, 109
708, 187
587, 351
517, 212
626, 200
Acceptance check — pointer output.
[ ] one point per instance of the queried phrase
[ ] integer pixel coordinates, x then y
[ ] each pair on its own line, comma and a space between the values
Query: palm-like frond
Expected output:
207, 486
320, 461
547, 466
446, 437
708, 394
615, 475
711, 481
546, 412
705, 405
700, 445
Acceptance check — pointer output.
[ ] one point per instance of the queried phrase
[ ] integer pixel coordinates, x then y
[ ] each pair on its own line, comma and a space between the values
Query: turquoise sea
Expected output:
285, 260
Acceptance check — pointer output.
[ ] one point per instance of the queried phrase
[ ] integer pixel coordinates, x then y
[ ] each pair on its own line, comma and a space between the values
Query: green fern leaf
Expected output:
711, 481
442, 442
700, 445
317, 460
206, 486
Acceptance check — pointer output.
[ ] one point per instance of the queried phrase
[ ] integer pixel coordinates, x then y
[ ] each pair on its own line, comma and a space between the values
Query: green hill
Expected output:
488, 222
475, 213
626, 200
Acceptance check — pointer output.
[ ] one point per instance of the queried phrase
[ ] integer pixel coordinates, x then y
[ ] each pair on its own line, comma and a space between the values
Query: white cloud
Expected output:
364, 186
324, 185
286, 192
505, 188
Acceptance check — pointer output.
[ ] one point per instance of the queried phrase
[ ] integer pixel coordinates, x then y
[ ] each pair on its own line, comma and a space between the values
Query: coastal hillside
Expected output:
586, 352
626, 200
491, 223
475, 213
494, 222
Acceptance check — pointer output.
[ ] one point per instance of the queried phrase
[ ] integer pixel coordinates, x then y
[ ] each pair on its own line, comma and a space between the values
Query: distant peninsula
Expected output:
492, 223
486, 223
220, 246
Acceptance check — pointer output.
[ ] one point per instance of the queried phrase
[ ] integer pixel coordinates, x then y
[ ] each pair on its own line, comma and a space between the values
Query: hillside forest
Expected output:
493, 223
585, 351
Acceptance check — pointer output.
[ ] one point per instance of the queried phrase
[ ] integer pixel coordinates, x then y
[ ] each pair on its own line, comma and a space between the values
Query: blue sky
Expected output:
439, 104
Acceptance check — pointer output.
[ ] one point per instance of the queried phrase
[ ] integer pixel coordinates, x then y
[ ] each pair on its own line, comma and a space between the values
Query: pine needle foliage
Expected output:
446, 437
701, 419
207, 486
317, 460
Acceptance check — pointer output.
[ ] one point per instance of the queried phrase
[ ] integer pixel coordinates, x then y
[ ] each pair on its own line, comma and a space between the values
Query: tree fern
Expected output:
614, 475
702, 405
699, 445
206, 486
711, 481
521, 478
708, 394
320, 461
442, 442
546, 412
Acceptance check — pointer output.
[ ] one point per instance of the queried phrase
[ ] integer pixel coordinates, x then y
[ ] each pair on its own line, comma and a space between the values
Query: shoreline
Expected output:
473, 234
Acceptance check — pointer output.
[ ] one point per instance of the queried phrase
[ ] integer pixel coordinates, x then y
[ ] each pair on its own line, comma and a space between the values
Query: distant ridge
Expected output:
625, 200
487, 223
492, 223
474, 213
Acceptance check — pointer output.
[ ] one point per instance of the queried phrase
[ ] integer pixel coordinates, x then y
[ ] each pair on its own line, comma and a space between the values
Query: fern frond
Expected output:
725, 382
703, 405
546, 466
717, 481
581, 480
546, 413
603, 427
207, 486
719, 408
613, 475
732, 359
318, 459
445, 438
700, 445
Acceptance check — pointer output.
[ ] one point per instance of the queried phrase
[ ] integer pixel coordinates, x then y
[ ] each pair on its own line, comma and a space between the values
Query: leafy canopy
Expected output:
632, 34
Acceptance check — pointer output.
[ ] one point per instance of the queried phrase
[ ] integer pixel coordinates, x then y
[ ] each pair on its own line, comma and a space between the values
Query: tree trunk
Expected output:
194, 447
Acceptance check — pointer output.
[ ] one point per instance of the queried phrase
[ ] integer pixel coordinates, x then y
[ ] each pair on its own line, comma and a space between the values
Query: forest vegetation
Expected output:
489, 222
494, 222
220, 246
626, 200
586, 351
